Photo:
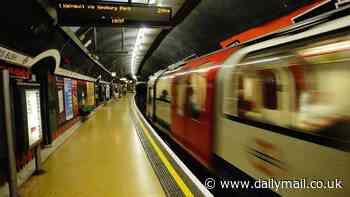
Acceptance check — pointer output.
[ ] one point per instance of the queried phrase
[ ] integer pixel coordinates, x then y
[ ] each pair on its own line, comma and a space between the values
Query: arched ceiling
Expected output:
199, 26
114, 46
207, 23
212, 22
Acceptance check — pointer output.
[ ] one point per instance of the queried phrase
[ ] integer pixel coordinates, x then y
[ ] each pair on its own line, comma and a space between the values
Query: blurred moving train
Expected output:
277, 108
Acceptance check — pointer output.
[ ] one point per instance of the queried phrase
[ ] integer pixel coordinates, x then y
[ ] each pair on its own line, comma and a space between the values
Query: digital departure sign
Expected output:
73, 13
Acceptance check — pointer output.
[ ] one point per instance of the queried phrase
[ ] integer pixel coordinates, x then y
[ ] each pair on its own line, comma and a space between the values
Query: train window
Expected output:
231, 88
324, 107
191, 90
163, 100
150, 97
196, 92
269, 89
250, 95
304, 86
163, 89
180, 95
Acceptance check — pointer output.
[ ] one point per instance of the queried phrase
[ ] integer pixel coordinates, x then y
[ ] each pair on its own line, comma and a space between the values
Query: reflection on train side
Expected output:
306, 88
276, 109
285, 112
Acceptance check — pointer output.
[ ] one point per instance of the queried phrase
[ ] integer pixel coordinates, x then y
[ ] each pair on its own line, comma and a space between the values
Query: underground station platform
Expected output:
105, 98
114, 152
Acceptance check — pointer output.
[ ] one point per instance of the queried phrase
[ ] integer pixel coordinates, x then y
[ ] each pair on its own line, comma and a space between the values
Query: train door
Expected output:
150, 99
178, 109
197, 129
163, 99
270, 95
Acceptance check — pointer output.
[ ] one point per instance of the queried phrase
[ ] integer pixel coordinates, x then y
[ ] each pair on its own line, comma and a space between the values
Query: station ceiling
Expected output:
206, 23
197, 28
114, 46
212, 22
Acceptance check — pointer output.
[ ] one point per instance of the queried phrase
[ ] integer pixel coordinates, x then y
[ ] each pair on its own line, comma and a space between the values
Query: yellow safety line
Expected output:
167, 164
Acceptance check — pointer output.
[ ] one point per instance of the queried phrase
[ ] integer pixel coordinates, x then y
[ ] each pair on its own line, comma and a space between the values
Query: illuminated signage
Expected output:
112, 14
342, 3
60, 101
90, 93
68, 98
14, 57
34, 127
108, 92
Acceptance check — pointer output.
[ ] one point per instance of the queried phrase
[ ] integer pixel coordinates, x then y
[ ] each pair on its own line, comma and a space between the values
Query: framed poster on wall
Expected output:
28, 120
60, 100
97, 94
68, 98
108, 92
82, 93
75, 97
90, 93
34, 127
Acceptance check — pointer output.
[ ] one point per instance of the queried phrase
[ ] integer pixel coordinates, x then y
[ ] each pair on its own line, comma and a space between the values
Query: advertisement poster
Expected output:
60, 101
68, 99
33, 116
108, 92
97, 94
75, 97
82, 93
90, 93
60, 97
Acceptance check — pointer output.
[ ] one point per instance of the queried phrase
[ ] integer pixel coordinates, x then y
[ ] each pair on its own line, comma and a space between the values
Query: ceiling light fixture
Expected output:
88, 43
136, 50
152, 1
138, 44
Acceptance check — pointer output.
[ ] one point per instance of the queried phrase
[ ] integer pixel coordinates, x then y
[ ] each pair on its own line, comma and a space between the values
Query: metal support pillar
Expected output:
95, 39
9, 135
38, 164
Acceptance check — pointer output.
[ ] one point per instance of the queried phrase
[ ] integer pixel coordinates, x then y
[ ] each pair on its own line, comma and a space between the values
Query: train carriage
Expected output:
282, 108
192, 108
163, 99
274, 109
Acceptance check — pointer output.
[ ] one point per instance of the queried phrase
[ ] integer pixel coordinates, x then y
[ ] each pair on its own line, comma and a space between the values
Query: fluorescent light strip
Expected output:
88, 43
138, 43
152, 1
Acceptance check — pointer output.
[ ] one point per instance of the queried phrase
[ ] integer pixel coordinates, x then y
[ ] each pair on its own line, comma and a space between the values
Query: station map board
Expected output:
97, 13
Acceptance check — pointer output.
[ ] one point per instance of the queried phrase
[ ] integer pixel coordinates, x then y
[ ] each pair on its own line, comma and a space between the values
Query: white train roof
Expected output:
317, 30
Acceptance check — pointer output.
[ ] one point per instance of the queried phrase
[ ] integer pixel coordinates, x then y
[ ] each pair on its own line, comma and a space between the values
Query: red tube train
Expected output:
275, 109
